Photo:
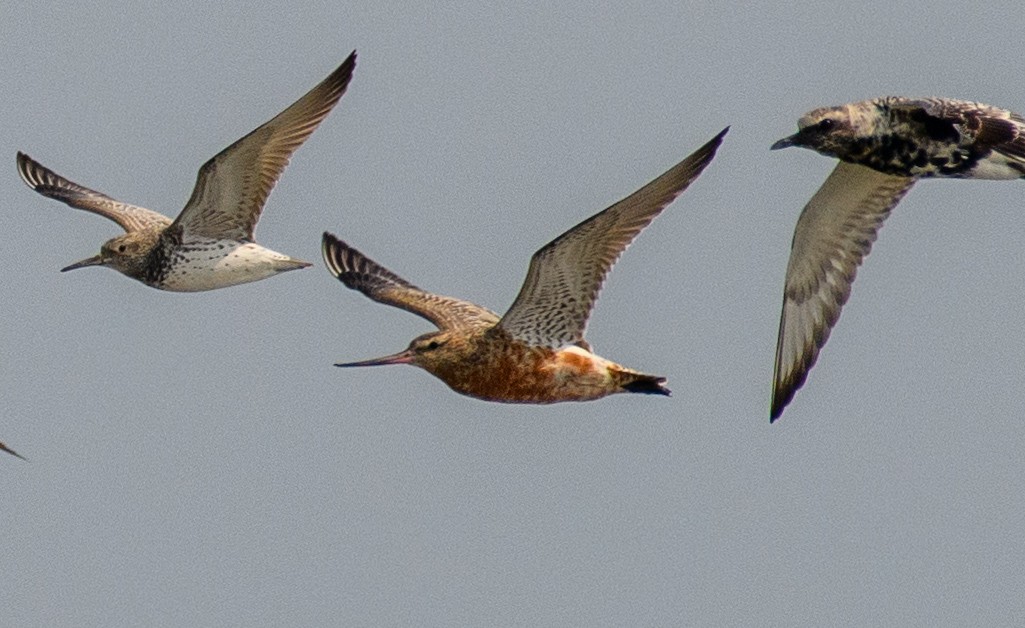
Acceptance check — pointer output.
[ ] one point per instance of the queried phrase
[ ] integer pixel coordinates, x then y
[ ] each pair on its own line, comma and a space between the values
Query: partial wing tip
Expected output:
350, 62
348, 65
712, 145
25, 166
329, 248
331, 240
781, 396
7, 449
339, 257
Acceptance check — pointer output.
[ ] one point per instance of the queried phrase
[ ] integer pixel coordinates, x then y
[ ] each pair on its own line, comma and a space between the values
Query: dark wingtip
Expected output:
25, 166
329, 246
349, 64
330, 239
713, 144
338, 81
7, 449
780, 398
709, 149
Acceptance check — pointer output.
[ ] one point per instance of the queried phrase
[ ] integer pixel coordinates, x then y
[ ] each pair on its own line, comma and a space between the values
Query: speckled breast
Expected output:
211, 264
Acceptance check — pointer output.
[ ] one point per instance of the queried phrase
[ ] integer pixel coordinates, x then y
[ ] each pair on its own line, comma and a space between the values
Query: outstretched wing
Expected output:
232, 188
52, 185
359, 272
566, 275
833, 235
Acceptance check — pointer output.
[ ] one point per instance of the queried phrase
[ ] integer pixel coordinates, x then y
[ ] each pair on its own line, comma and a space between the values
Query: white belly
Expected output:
204, 266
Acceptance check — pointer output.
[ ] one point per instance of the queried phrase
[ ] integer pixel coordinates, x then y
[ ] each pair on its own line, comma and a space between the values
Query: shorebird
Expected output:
536, 352
210, 244
4, 447
884, 146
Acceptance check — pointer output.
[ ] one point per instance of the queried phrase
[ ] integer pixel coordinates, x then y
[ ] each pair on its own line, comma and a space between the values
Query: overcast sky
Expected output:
195, 459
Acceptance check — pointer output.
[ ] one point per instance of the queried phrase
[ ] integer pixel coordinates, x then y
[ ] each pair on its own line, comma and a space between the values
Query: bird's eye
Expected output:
434, 344
827, 125
121, 248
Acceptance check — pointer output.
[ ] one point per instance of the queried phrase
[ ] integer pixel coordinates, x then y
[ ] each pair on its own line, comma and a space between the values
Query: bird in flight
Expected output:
884, 146
211, 243
536, 352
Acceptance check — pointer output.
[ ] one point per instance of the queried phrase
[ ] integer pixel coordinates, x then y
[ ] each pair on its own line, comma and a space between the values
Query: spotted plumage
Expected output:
884, 145
536, 352
211, 244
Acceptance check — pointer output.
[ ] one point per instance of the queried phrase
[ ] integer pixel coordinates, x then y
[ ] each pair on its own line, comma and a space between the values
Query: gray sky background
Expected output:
195, 459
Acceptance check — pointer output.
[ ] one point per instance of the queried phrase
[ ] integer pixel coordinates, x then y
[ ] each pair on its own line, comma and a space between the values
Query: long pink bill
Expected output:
403, 357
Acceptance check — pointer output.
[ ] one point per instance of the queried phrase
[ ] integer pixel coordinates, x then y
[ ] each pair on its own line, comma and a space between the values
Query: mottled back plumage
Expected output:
918, 137
884, 145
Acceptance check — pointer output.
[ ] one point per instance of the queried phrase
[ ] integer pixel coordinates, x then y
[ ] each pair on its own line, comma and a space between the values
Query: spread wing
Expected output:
834, 233
50, 184
359, 272
231, 188
566, 275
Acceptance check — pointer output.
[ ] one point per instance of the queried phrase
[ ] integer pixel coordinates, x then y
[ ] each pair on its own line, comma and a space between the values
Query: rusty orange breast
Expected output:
501, 369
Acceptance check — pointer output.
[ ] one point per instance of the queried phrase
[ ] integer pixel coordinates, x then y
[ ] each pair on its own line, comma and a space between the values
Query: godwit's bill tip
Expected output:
95, 260
403, 357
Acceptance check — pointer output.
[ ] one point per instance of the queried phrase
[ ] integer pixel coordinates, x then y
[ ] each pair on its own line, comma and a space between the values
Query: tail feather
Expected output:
647, 384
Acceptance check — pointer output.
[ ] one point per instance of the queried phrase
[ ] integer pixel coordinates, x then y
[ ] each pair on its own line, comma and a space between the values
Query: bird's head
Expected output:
432, 352
829, 130
126, 253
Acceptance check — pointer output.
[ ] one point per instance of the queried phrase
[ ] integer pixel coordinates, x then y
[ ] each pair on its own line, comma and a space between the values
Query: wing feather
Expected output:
566, 275
232, 188
833, 235
50, 184
361, 273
